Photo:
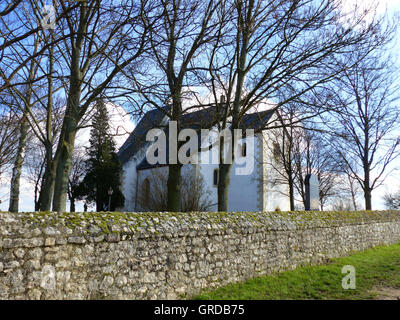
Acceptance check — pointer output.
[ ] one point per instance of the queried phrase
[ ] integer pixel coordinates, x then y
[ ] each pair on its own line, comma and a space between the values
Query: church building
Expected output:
253, 181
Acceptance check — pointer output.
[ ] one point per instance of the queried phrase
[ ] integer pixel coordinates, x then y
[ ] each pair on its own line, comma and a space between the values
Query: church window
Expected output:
215, 177
244, 149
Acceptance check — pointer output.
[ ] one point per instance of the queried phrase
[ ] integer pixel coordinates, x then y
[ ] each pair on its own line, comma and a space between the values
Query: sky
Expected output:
392, 181
122, 125
382, 4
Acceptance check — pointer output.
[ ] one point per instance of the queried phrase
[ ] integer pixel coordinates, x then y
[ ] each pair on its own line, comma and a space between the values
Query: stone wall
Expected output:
170, 256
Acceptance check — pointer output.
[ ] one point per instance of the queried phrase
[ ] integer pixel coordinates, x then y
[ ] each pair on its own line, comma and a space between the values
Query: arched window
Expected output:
244, 149
215, 178
145, 193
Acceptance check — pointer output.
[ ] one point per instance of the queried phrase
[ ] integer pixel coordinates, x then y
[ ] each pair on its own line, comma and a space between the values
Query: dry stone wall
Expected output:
170, 256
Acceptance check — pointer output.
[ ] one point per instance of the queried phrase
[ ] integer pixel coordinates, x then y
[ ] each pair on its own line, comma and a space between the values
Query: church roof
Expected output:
137, 138
256, 121
202, 119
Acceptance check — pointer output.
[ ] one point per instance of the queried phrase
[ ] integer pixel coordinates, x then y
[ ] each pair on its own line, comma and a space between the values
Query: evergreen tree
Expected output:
103, 169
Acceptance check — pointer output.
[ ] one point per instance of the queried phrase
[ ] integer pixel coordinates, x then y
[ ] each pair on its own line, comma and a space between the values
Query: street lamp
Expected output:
110, 192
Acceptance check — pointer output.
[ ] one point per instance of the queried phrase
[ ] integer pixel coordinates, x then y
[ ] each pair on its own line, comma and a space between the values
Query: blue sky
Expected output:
392, 183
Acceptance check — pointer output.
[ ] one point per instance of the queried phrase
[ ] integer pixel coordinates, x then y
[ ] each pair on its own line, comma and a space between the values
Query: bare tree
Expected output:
92, 43
32, 84
298, 150
20, 21
179, 32
102, 38
39, 151
349, 188
9, 124
8, 6
342, 205
23, 97
314, 155
365, 128
392, 200
279, 51
282, 147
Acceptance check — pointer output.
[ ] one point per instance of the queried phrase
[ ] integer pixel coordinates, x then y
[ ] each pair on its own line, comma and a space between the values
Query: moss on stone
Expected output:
109, 221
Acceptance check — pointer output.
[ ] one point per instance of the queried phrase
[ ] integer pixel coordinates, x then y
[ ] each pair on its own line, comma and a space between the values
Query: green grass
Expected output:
379, 267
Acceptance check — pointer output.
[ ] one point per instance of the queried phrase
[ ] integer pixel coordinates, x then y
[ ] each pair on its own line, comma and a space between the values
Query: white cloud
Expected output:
381, 5
120, 123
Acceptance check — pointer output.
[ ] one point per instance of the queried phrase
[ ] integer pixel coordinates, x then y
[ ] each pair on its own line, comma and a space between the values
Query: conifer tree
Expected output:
103, 167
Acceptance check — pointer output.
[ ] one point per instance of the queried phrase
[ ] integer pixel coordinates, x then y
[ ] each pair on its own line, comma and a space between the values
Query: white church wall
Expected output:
276, 195
128, 185
207, 164
243, 189
207, 171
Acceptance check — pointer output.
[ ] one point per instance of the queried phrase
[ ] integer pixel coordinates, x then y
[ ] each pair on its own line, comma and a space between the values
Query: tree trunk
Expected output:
226, 166
47, 188
67, 137
99, 204
353, 199
72, 205
38, 186
291, 193
19, 162
368, 198
367, 187
353, 192
174, 187
64, 165
224, 178
72, 116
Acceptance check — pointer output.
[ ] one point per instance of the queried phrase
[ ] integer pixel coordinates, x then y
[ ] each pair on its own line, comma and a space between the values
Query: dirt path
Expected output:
387, 293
